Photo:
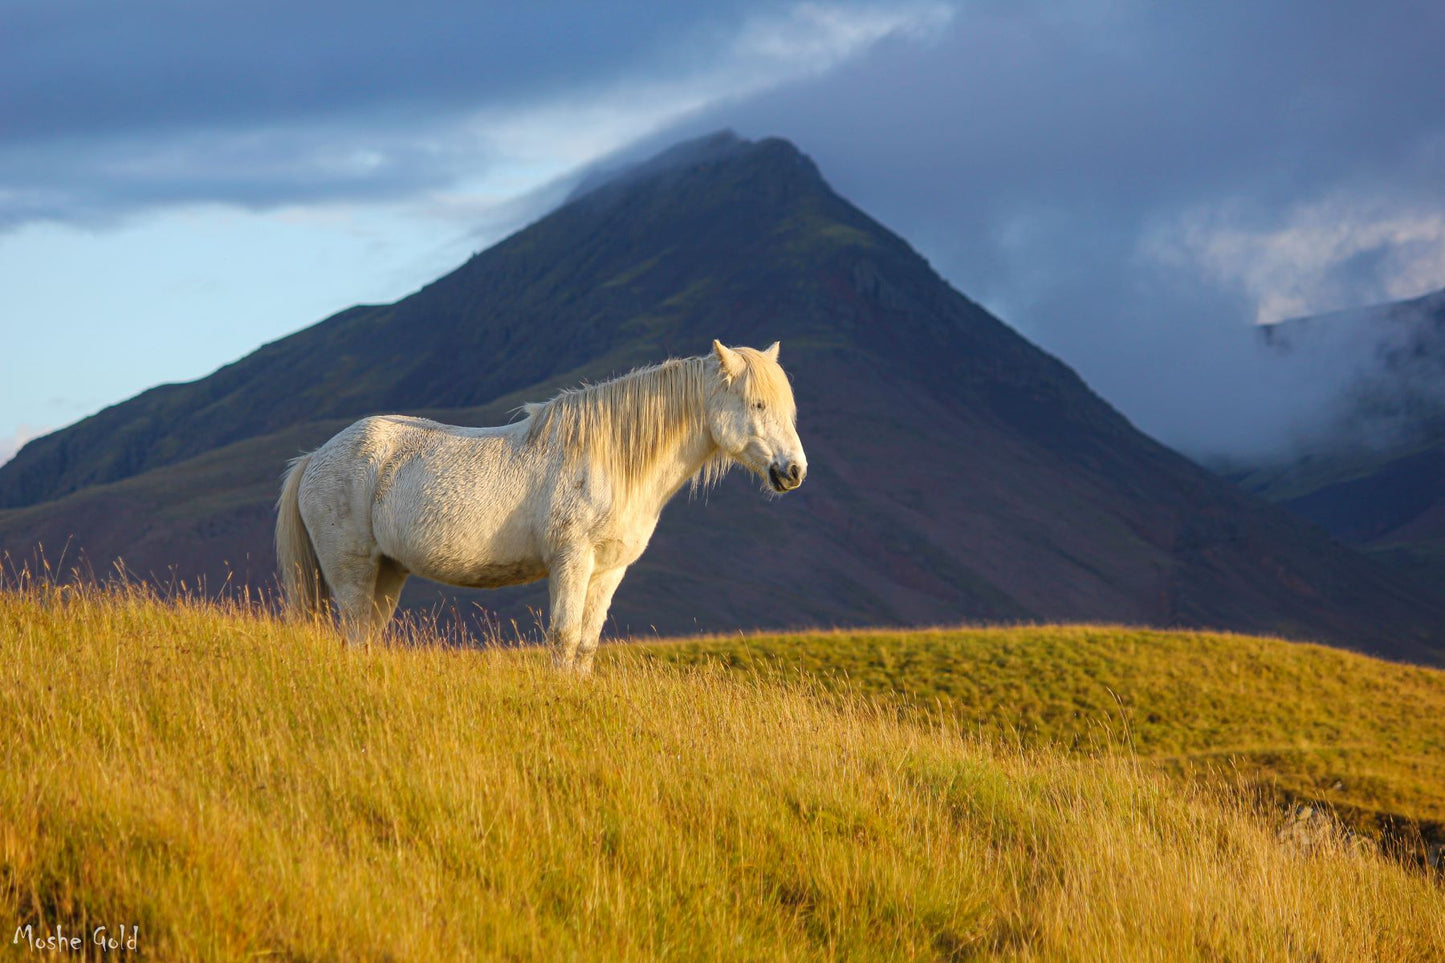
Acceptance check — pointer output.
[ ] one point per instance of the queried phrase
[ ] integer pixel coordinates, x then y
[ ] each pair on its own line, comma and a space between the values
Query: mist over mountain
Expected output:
1384, 366
957, 472
1370, 466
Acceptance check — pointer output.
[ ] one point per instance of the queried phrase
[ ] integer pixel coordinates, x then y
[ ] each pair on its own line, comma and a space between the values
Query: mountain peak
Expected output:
709, 152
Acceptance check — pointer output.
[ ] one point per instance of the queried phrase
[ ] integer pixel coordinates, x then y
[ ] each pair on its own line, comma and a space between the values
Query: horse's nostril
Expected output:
794, 473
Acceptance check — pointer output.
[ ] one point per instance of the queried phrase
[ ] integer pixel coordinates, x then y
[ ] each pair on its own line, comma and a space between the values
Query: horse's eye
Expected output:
758, 406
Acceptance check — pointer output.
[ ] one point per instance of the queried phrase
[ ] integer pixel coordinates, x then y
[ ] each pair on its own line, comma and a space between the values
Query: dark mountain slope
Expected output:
751, 244
957, 472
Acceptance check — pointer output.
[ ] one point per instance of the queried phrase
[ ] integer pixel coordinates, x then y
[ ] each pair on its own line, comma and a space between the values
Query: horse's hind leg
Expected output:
336, 510
390, 577
369, 600
353, 581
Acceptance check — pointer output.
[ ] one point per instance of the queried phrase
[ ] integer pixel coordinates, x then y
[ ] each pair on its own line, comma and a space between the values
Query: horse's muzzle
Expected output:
785, 479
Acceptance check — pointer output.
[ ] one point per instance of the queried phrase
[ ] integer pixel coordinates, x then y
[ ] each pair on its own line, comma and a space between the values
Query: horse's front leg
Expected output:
570, 574
599, 600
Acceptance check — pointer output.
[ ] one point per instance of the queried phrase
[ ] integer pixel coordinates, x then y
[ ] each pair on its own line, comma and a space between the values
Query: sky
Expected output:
1133, 186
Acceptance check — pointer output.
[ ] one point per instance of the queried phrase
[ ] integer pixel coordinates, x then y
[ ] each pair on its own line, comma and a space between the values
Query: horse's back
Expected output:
457, 504
401, 434
362, 466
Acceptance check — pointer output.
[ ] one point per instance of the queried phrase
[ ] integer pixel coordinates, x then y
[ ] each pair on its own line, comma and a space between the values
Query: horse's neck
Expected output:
675, 466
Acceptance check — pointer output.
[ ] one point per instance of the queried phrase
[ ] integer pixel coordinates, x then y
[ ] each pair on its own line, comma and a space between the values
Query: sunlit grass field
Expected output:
1293, 721
242, 788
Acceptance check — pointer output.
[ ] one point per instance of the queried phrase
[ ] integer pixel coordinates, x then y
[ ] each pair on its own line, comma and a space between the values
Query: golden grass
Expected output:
239, 787
1302, 721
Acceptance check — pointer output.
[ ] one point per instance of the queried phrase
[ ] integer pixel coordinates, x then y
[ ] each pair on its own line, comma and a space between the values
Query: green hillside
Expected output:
239, 788
1302, 722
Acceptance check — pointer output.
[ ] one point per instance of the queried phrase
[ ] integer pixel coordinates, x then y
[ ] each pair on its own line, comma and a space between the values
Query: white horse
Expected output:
571, 492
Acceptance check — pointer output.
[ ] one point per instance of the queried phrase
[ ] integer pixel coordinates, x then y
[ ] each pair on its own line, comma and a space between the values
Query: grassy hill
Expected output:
240, 787
1289, 720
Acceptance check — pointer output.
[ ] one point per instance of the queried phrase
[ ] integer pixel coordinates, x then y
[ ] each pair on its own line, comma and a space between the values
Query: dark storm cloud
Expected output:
1132, 184
330, 159
81, 69
109, 107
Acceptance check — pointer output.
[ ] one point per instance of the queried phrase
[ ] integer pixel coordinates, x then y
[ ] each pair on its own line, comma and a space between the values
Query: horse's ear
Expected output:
731, 361
771, 351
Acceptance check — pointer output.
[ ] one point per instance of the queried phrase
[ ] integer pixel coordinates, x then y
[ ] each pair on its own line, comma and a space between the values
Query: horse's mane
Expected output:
625, 424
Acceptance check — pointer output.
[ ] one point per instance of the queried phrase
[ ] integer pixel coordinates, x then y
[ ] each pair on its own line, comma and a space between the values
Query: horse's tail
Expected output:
302, 583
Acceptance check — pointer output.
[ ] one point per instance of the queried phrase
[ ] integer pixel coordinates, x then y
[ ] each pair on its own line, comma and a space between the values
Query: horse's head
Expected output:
751, 415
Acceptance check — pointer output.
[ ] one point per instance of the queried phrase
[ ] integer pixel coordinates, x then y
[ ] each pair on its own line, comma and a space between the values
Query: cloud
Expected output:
815, 37
90, 67
1315, 257
330, 103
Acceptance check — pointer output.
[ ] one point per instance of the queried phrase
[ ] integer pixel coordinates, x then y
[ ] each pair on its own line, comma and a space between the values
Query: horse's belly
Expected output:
498, 574
474, 564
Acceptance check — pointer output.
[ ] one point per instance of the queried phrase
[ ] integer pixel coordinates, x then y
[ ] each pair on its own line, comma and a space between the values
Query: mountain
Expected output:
1374, 475
957, 472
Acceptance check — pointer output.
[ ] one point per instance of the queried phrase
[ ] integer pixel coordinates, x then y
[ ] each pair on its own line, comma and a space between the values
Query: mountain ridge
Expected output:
957, 471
